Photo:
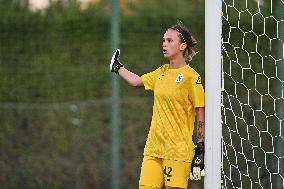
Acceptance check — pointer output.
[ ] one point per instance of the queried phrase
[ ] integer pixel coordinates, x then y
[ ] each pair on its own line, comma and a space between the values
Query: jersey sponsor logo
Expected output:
198, 80
179, 78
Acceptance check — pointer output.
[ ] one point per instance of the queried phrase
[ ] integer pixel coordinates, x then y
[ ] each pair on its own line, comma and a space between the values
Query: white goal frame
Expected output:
213, 126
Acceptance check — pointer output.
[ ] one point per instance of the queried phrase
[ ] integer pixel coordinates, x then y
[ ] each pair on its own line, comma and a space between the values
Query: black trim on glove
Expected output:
198, 160
115, 64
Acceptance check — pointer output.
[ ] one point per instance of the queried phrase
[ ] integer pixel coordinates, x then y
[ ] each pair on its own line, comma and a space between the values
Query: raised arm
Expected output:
131, 78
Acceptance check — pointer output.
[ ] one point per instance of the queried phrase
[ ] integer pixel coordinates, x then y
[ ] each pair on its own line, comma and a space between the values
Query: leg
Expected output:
176, 174
151, 176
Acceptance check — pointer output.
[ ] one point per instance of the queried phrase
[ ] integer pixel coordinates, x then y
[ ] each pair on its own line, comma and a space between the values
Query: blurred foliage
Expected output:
55, 88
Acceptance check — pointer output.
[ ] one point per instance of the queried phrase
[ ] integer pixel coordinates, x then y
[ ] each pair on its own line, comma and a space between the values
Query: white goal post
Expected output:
244, 138
213, 127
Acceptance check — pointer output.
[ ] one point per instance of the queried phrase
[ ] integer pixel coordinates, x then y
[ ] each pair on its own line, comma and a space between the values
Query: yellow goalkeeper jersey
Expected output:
177, 92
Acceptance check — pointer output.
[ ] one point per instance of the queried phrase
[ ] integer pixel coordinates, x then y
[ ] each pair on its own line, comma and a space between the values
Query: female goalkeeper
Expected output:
169, 153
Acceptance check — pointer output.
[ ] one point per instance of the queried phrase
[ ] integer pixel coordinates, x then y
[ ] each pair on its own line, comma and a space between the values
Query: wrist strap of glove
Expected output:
199, 155
117, 66
199, 149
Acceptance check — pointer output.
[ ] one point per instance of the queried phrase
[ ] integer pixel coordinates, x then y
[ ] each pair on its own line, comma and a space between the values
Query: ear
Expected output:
182, 46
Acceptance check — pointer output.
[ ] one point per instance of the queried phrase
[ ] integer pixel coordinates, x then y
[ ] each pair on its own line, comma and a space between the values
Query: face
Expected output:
172, 45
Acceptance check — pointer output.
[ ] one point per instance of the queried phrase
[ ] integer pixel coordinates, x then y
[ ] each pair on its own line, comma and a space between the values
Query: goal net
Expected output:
252, 94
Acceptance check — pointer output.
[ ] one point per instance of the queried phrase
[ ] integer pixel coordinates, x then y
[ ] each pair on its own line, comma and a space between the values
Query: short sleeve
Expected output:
149, 79
196, 92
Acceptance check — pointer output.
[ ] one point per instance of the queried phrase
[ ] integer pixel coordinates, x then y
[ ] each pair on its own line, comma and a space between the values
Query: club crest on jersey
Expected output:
179, 78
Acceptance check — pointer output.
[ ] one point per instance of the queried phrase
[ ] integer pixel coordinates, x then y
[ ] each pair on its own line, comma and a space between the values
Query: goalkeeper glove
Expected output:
115, 65
197, 165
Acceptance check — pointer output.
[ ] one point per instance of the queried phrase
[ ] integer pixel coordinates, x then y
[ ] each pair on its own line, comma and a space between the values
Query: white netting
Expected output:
253, 137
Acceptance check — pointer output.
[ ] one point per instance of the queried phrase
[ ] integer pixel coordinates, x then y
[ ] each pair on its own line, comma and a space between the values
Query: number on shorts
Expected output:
167, 172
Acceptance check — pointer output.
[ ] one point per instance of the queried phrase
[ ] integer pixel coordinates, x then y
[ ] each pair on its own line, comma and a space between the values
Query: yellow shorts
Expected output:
156, 171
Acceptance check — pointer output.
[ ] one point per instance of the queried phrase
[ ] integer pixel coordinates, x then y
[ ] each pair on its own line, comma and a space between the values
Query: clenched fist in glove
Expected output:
197, 165
114, 63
